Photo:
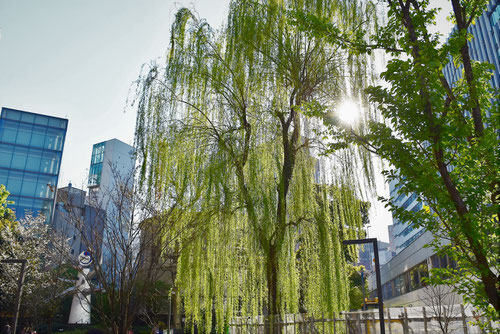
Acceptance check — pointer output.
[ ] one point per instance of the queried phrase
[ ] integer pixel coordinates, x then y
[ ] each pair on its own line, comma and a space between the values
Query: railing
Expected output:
411, 320
289, 324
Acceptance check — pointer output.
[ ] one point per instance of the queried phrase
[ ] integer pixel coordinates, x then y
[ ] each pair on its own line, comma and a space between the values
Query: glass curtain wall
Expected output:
31, 148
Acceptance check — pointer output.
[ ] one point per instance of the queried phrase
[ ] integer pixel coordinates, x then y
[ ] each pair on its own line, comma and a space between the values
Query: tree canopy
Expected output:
47, 255
225, 134
440, 137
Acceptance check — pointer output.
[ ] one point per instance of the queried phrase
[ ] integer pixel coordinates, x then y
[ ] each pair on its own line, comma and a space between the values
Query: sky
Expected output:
77, 59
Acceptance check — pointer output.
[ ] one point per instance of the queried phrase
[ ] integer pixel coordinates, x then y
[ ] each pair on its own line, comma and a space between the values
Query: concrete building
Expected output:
111, 168
31, 147
401, 277
81, 223
366, 255
111, 161
109, 157
111, 175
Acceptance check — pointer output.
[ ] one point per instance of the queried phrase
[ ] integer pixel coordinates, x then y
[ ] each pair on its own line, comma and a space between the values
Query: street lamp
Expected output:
172, 292
377, 275
20, 282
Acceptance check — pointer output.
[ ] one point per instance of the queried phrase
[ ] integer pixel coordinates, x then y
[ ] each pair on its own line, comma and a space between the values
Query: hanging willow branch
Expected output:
222, 129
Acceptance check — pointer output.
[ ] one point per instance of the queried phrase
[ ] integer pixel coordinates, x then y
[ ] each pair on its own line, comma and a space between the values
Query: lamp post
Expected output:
172, 292
377, 275
20, 282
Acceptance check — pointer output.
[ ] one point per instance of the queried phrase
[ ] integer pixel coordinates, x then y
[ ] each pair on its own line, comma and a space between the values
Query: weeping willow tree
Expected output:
226, 132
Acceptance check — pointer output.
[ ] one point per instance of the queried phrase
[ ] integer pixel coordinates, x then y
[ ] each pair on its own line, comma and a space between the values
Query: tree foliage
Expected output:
440, 137
225, 135
47, 255
123, 236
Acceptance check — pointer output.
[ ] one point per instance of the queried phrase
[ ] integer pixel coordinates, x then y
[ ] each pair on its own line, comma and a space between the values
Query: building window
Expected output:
439, 261
423, 271
96, 162
400, 285
95, 174
98, 153
410, 200
414, 279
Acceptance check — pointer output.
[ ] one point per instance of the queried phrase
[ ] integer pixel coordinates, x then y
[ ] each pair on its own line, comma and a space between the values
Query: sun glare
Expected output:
348, 112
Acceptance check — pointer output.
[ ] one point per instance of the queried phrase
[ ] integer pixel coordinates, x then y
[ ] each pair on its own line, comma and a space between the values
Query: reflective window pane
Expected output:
12, 114
28, 188
42, 120
54, 139
423, 271
50, 163
3, 176
9, 132
6, 155
19, 158
25, 204
41, 190
443, 261
414, 279
57, 123
27, 117
38, 136
14, 182
435, 261
33, 162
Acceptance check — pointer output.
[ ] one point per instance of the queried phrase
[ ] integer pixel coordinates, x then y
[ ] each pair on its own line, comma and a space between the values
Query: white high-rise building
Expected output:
112, 160
111, 175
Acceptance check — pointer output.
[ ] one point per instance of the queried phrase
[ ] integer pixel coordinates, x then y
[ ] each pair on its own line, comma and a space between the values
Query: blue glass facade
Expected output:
485, 46
31, 148
96, 162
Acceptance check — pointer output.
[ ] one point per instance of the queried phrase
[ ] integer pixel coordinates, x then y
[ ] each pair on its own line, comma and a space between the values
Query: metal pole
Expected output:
363, 289
169, 311
390, 321
425, 320
20, 282
377, 274
406, 322
464, 319
379, 287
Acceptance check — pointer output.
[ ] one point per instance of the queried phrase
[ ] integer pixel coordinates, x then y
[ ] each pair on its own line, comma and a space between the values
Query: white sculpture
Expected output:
80, 306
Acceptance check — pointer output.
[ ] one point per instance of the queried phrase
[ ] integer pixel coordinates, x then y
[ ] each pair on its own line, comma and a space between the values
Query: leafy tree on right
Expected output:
441, 138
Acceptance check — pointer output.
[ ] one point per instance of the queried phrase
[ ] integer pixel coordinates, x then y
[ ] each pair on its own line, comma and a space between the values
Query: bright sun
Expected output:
348, 112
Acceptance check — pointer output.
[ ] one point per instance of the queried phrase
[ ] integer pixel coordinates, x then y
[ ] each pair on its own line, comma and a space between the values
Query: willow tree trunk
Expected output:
272, 291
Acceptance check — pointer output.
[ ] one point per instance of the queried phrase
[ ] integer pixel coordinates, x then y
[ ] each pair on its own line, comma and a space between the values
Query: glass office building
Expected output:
484, 46
31, 147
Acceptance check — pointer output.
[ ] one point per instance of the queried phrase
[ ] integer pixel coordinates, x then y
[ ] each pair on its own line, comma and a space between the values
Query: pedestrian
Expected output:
6, 329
